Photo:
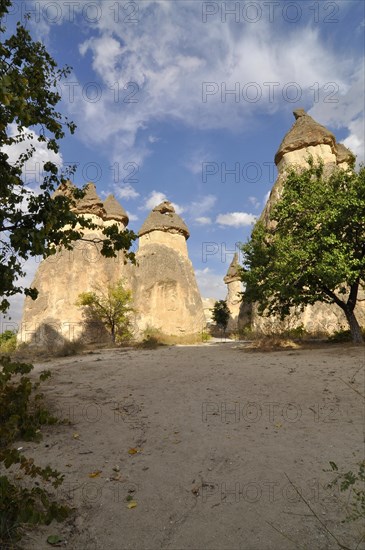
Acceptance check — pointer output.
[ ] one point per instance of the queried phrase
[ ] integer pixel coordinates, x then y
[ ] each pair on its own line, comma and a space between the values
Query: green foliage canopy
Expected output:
112, 307
221, 314
31, 223
313, 248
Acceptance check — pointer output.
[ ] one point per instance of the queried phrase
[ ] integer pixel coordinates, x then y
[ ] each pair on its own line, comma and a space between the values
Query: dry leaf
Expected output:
134, 451
132, 504
76, 436
95, 474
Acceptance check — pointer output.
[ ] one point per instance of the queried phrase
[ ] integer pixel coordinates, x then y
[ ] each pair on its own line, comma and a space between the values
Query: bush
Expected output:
340, 336
343, 336
355, 482
298, 332
153, 337
8, 341
246, 333
272, 343
206, 336
69, 348
151, 342
112, 306
21, 416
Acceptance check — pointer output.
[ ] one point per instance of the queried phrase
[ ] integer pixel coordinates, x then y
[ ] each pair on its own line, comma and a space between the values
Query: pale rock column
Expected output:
234, 294
167, 298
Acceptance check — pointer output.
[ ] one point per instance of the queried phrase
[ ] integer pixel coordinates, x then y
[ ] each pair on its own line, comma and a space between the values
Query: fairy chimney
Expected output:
306, 137
53, 317
166, 293
234, 294
114, 212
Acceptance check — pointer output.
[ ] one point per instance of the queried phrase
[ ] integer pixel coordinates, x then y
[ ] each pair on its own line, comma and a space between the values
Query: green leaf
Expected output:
54, 539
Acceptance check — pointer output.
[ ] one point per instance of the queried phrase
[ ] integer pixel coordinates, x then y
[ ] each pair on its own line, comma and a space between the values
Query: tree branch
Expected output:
335, 298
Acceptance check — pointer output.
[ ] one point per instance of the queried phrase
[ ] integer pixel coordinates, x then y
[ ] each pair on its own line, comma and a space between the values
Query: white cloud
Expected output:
211, 284
168, 63
200, 207
17, 301
195, 163
254, 201
126, 192
33, 169
203, 220
132, 217
266, 198
107, 51
236, 219
346, 110
155, 198
355, 140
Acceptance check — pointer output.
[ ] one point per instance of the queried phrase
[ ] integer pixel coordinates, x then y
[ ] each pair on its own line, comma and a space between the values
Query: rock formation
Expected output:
165, 289
54, 317
208, 306
306, 137
234, 294
165, 292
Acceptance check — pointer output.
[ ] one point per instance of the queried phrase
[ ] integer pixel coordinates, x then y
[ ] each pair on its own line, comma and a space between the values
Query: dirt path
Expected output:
217, 430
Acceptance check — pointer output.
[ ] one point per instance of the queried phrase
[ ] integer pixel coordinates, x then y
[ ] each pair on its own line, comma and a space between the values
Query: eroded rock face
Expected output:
166, 293
208, 306
165, 289
163, 282
114, 211
234, 293
164, 218
306, 137
54, 317
304, 133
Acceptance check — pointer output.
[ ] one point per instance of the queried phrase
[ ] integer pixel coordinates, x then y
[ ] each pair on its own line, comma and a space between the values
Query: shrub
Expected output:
355, 482
153, 337
151, 342
8, 341
112, 307
21, 416
69, 348
272, 343
340, 336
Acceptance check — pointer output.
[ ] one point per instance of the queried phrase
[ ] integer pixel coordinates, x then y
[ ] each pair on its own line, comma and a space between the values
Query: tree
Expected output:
31, 224
221, 314
313, 248
112, 307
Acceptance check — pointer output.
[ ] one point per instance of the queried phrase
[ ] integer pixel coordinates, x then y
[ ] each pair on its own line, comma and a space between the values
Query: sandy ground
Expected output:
217, 429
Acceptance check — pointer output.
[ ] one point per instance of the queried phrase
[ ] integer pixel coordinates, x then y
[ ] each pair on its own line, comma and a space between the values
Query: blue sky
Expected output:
149, 92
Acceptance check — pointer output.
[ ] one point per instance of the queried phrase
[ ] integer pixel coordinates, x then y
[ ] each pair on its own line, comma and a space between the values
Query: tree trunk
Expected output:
354, 327
113, 334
